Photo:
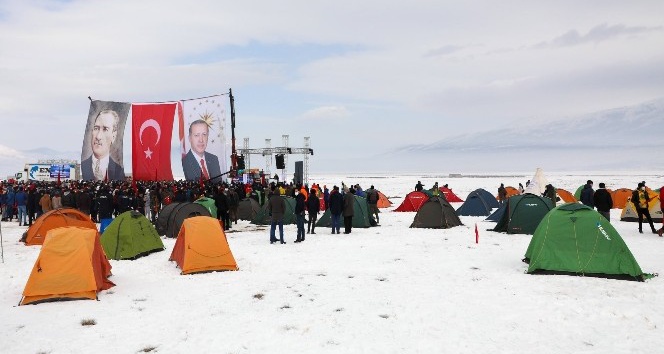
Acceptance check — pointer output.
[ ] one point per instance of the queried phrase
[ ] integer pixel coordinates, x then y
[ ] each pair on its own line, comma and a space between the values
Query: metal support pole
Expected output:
306, 160
285, 170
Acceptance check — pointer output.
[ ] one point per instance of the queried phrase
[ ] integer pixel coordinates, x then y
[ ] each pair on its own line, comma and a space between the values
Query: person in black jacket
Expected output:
313, 207
587, 194
349, 210
33, 198
221, 202
336, 207
603, 201
300, 206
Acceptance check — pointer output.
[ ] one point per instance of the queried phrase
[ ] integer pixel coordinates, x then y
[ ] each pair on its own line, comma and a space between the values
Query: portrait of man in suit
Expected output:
198, 162
100, 165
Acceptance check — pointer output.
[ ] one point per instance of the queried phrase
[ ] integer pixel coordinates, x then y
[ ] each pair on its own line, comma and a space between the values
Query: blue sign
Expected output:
60, 170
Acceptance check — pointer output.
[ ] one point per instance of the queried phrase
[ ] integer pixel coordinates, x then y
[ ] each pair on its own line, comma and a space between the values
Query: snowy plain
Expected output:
386, 289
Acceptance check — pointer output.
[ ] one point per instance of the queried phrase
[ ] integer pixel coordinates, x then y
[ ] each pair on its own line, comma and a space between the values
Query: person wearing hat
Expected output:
603, 201
349, 210
640, 199
419, 186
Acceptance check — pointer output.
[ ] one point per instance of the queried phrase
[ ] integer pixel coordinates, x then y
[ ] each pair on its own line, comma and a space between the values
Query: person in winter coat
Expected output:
326, 197
502, 194
603, 201
300, 207
45, 202
56, 201
349, 210
68, 199
550, 193
336, 208
32, 204
372, 202
419, 186
313, 207
10, 202
221, 202
587, 194
84, 201
640, 199
104, 204
276, 207
21, 206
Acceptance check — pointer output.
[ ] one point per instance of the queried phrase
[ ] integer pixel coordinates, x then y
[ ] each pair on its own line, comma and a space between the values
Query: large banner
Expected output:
152, 129
101, 156
203, 137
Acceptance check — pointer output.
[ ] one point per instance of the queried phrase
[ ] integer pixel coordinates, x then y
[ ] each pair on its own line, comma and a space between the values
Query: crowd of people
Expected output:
105, 200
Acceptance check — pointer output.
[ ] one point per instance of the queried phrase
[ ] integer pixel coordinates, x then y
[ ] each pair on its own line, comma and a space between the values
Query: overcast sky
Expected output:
358, 77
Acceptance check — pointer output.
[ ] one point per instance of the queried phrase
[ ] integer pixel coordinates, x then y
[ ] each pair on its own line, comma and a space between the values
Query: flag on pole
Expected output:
477, 234
152, 128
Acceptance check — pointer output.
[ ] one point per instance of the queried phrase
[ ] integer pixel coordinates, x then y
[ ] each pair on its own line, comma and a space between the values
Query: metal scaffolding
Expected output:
268, 151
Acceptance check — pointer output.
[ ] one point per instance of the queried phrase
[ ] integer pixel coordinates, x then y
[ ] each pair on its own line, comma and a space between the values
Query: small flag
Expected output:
477, 234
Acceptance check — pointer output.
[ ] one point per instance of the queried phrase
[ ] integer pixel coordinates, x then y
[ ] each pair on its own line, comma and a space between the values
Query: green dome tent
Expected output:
264, 218
523, 213
361, 216
575, 239
436, 213
209, 204
130, 236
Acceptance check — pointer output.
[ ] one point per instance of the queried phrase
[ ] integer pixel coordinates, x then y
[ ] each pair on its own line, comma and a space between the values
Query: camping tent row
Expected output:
361, 217
575, 239
72, 264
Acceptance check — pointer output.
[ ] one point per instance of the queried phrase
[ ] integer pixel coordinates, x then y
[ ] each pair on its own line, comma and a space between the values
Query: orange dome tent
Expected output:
202, 246
383, 201
566, 196
620, 197
55, 218
71, 266
510, 191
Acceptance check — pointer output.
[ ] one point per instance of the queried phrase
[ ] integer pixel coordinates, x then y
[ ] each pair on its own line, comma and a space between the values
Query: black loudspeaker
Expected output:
240, 163
299, 172
280, 161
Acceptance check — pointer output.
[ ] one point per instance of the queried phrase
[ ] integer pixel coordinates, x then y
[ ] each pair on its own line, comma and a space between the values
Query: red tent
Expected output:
449, 195
413, 202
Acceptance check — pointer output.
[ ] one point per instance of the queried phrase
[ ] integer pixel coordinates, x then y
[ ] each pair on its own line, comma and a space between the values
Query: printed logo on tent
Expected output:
601, 229
531, 204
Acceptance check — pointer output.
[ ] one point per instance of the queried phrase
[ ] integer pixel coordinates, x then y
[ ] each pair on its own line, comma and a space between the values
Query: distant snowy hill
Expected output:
635, 126
624, 138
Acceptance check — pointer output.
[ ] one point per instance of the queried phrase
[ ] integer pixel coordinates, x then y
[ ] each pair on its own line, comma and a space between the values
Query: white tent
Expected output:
537, 184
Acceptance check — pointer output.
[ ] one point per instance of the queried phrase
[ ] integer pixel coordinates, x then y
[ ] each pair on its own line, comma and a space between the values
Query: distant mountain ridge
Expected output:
633, 126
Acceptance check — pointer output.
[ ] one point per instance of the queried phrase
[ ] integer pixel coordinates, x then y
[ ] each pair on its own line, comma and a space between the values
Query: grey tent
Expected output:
436, 213
171, 217
247, 209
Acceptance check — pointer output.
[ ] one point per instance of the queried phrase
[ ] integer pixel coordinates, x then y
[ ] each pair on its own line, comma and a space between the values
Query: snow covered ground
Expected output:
387, 289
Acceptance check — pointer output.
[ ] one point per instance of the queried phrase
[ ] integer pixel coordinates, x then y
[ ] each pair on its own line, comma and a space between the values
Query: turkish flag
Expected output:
152, 128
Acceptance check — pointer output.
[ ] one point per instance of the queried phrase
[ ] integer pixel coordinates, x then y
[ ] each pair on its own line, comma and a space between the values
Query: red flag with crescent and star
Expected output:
152, 128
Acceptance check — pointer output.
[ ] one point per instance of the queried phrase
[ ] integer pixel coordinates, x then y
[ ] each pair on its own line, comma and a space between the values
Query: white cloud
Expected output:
326, 113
